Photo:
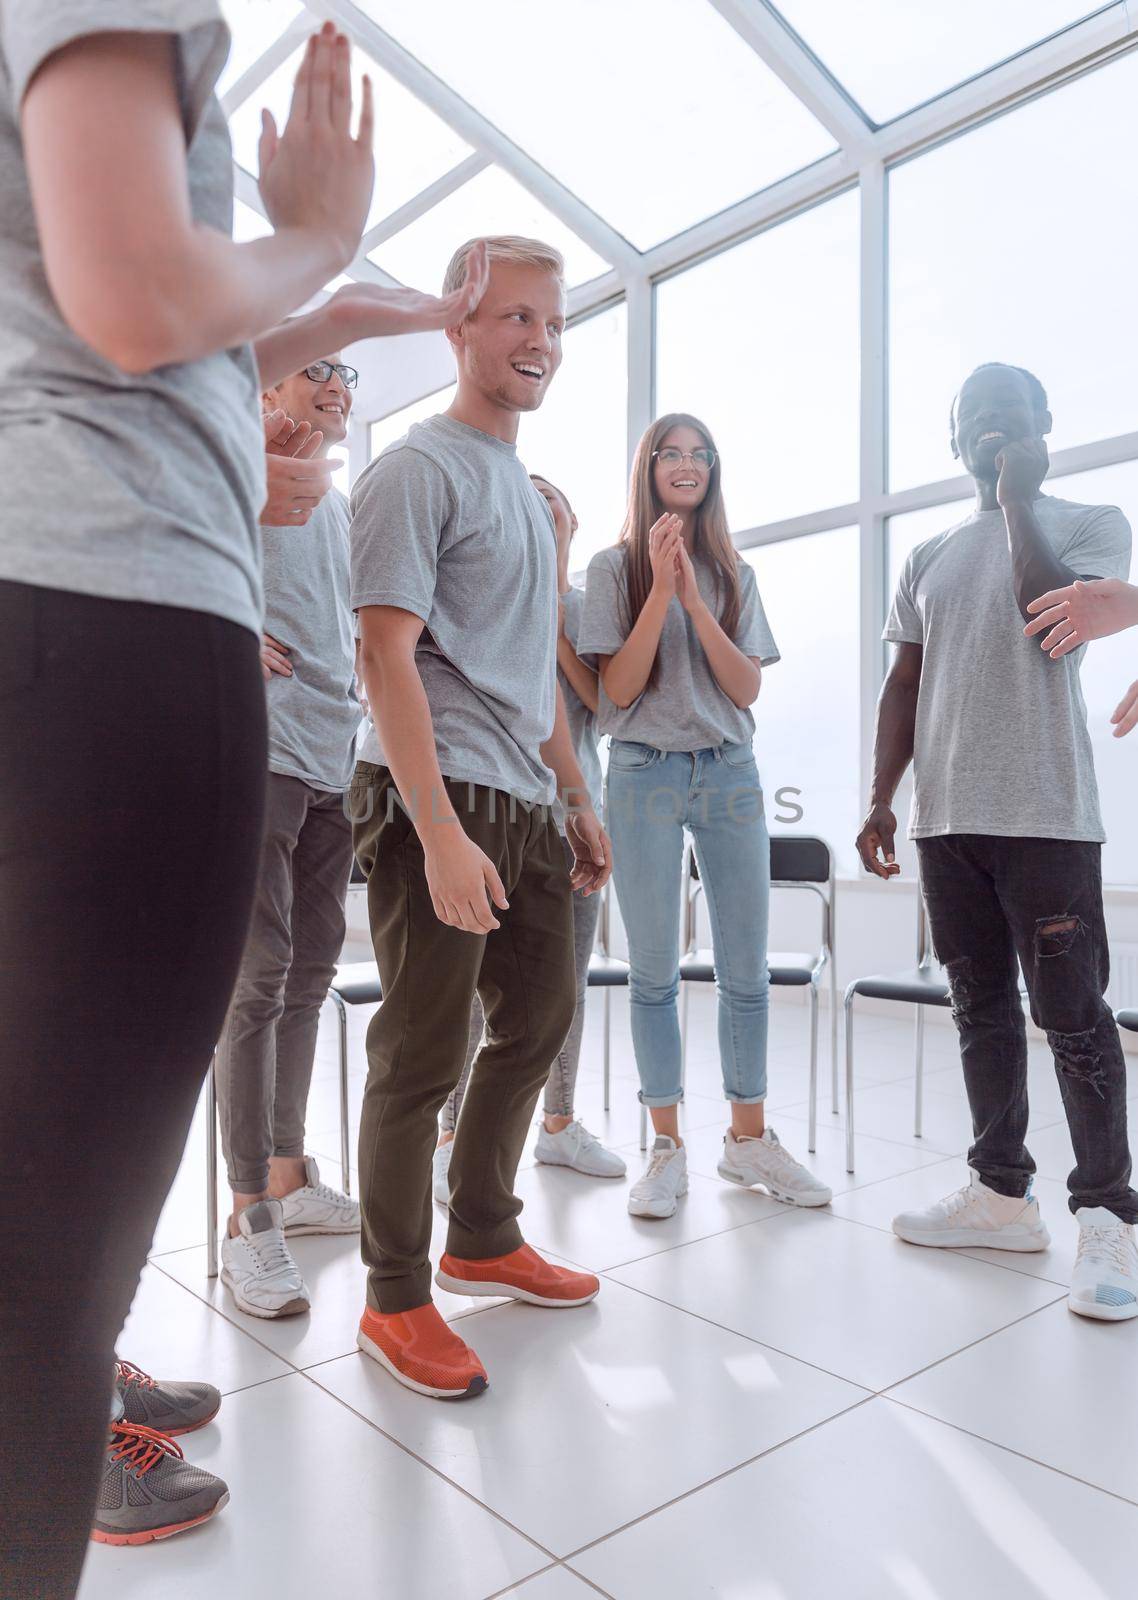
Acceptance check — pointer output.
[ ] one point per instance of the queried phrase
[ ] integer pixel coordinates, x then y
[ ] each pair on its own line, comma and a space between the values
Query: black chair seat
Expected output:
357, 983
917, 987
607, 972
1128, 1020
788, 968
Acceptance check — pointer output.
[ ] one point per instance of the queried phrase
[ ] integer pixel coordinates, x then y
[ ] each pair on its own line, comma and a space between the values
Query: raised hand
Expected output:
1023, 464
315, 176
1082, 611
367, 311
663, 537
284, 437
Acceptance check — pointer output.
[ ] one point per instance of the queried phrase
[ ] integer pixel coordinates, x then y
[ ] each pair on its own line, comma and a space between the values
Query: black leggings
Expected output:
132, 772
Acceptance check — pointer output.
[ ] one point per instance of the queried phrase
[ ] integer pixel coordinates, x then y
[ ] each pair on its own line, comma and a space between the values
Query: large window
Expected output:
677, 121
1017, 242
893, 54
761, 342
807, 732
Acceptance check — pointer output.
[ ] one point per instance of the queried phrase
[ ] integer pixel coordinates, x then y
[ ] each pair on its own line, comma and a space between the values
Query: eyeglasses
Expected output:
671, 457
321, 371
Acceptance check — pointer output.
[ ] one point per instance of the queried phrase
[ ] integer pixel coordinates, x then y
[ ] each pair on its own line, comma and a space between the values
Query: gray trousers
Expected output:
266, 1049
561, 1084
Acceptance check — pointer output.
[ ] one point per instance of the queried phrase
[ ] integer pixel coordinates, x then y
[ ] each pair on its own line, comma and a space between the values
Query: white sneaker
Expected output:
1105, 1280
765, 1161
440, 1173
656, 1193
258, 1268
576, 1147
318, 1208
976, 1216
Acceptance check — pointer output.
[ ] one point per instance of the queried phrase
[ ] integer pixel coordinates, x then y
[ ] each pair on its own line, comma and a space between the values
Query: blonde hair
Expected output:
711, 534
505, 247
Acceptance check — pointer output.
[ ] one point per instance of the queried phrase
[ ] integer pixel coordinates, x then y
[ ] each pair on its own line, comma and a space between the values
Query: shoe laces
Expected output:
324, 1191
270, 1253
958, 1201
127, 1372
1110, 1246
141, 1448
657, 1164
585, 1139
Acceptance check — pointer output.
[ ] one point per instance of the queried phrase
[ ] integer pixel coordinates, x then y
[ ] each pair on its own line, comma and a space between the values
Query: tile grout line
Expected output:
728, 1472
558, 1566
1020, 1455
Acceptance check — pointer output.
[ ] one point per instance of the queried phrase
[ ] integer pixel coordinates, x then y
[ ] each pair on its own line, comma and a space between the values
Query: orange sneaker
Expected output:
523, 1275
419, 1349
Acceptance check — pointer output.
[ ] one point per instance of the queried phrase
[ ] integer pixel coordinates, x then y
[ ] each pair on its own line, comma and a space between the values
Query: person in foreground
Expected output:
454, 579
1009, 837
137, 336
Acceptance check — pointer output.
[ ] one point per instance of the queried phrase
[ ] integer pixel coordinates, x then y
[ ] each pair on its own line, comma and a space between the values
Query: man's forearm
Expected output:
893, 740
293, 345
402, 716
1036, 569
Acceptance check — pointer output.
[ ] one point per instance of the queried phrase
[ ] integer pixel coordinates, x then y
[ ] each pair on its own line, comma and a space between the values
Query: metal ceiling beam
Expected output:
421, 203
440, 98
802, 74
259, 71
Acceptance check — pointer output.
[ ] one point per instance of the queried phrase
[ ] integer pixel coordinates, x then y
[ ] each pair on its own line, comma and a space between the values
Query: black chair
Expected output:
1127, 1020
606, 972
919, 986
796, 863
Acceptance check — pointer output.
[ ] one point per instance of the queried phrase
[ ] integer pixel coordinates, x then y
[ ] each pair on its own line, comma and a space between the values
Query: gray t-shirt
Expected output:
685, 709
314, 715
1001, 739
582, 721
134, 487
446, 524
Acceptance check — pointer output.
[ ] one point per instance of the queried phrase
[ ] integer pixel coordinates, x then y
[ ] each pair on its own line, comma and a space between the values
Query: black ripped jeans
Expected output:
990, 900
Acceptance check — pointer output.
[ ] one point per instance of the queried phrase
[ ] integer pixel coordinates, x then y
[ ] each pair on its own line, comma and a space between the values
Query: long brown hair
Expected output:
711, 535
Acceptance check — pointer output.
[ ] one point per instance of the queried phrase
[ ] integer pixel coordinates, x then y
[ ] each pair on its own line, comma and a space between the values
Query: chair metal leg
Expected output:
849, 1083
834, 1106
345, 1127
813, 1140
643, 1126
919, 1093
608, 1033
211, 1171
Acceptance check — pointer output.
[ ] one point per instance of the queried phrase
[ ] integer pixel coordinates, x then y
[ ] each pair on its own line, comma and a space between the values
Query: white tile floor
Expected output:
763, 1404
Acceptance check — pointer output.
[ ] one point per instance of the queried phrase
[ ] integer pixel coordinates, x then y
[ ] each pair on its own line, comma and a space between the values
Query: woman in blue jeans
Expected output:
677, 629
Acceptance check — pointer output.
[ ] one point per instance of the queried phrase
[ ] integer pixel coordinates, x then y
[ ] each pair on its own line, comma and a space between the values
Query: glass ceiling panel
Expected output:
492, 202
680, 118
255, 25
891, 55
413, 147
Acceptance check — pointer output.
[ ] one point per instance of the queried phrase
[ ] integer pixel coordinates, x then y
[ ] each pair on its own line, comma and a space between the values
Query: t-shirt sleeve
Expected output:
401, 509
603, 625
1100, 545
904, 625
753, 635
33, 30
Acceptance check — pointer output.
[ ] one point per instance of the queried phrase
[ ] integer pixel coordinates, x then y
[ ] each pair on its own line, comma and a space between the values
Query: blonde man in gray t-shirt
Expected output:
454, 579
1008, 832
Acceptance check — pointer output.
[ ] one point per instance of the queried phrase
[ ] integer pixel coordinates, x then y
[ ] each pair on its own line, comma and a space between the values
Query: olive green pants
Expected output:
523, 973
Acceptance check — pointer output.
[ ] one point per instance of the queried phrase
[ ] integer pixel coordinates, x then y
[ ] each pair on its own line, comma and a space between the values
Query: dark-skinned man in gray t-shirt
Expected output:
454, 581
1009, 837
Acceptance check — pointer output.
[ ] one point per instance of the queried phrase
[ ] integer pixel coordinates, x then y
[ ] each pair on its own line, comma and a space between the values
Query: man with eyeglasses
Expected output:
266, 1050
